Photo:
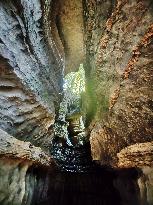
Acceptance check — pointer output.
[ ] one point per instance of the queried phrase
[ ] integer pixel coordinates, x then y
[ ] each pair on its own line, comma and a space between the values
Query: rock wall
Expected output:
31, 75
31, 69
21, 114
119, 75
38, 40
24, 171
140, 156
68, 16
119, 50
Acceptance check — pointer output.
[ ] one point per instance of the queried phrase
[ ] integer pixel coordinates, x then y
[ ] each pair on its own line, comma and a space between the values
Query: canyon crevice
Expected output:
40, 43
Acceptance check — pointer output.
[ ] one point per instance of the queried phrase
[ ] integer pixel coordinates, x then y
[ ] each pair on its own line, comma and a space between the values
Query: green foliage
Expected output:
73, 88
75, 81
70, 108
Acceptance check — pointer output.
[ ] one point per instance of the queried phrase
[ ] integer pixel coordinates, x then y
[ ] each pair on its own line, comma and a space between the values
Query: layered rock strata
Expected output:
31, 68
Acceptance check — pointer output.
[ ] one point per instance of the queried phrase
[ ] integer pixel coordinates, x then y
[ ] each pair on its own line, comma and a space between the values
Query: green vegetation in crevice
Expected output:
74, 86
75, 81
70, 111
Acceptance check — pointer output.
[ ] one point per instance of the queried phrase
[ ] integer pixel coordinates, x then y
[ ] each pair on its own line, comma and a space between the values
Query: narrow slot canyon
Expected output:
76, 102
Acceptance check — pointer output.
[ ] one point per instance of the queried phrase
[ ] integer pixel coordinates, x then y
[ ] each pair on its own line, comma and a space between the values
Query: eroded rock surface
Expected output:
24, 171
21, 183
12, 148
140, 156
70, 24
31, 68
137, 155
119, 67
21, 115
38, 39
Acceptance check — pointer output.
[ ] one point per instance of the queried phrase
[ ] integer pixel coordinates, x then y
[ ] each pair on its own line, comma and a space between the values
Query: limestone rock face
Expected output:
71, 31
140, 156
42, 40
23, 171
10, 147
31, 68
21, 183
21, 114
145, 183
137, 155
119, 67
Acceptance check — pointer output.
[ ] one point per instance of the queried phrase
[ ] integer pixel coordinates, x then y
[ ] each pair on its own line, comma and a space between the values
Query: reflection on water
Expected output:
72, 158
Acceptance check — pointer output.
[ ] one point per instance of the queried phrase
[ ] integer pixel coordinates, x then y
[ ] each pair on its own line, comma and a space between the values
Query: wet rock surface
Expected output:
73, 158
28, 176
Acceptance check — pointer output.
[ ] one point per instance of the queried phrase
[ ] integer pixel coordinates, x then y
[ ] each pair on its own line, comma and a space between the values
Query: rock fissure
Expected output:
76, 102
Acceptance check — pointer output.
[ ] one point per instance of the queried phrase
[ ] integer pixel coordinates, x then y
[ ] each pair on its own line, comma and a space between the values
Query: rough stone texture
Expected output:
30, 71
20, 183
140, 156
119, 64
37, 40
10, 147
137, 155
19, 180
21, 115
69, 20
12, 181
145, 183
32, 34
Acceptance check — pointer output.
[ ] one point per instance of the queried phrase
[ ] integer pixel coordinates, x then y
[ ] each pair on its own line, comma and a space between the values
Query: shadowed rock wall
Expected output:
119, 51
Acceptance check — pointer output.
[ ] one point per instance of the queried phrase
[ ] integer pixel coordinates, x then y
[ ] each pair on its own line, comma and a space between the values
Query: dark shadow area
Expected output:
82, 188
100, 187
80, 181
